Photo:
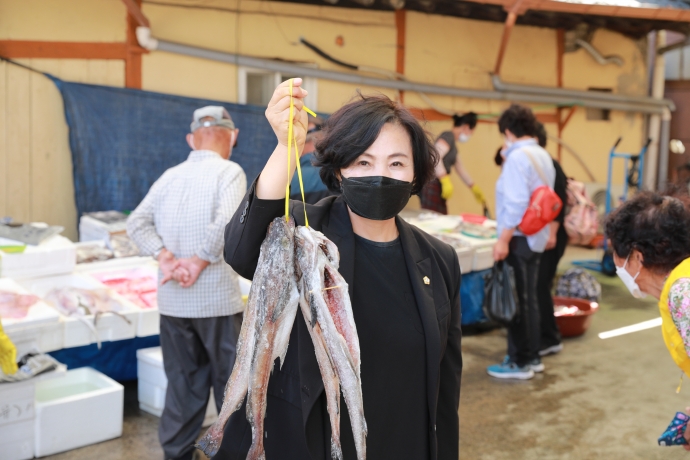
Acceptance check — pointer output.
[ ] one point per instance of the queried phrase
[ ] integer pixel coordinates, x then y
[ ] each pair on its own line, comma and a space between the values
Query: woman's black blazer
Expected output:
296, 410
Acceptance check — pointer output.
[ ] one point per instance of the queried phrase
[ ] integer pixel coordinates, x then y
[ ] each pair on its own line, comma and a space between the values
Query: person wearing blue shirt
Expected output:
314, 188
520, 177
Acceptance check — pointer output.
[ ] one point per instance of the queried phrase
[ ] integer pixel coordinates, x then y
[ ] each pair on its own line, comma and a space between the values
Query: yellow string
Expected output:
292, 141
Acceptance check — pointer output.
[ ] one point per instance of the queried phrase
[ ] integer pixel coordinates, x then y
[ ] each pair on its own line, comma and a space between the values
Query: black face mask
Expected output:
375, 197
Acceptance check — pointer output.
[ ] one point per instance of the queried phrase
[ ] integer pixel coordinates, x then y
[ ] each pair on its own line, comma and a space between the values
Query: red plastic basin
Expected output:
573, 326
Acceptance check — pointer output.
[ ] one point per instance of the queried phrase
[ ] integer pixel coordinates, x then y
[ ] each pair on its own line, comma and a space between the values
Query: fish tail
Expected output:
210, 443
92, 328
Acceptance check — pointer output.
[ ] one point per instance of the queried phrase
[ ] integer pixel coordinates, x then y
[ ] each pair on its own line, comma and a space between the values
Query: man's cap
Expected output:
220, 116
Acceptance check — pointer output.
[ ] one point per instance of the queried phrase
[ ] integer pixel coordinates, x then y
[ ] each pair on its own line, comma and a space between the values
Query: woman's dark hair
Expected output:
540, 134
655, 224
498, 159
469, 119
353, 128
519, 120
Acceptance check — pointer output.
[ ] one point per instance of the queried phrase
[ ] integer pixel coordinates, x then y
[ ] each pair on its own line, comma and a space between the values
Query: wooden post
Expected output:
134, 51
400, 16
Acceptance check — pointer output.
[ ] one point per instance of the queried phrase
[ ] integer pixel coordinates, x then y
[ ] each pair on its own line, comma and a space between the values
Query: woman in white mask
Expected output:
651, 250
435, 194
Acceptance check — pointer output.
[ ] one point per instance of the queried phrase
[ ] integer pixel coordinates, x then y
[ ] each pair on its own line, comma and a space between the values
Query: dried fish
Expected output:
295, 267
331, 311
270, 314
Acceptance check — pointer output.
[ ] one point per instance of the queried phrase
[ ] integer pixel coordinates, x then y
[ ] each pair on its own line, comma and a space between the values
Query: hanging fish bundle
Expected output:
296, 269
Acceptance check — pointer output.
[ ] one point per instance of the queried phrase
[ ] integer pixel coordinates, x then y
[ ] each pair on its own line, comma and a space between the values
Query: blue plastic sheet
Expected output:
117, 360
122, 140
472, 297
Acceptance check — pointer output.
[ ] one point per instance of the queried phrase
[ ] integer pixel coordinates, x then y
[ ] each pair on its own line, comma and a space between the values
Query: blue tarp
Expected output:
117, 360
122, 140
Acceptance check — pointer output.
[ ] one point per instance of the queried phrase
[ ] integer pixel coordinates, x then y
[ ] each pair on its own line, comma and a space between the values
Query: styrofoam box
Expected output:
82, 407
17, 420
40, 329
149, 318
483, 251
55, 255
17, 415
110, 327
153, 384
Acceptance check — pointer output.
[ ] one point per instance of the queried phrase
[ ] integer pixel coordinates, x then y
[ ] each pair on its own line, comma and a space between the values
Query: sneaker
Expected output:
508, 370
536, 365
552, 350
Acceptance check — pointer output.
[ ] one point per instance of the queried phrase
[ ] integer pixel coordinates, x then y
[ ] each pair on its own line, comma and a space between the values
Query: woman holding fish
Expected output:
355, 262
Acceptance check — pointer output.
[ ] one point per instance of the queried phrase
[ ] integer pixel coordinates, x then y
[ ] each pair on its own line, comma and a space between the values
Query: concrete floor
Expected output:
599, 399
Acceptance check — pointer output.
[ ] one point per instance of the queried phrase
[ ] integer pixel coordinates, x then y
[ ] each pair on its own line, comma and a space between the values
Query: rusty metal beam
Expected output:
134, 10
62, 50
400, 27
507, 29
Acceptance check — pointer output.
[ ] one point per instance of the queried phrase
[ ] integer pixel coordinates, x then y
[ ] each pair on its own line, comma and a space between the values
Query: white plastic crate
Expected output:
153, 383
82, 407
56, 255
149, 318
110, 327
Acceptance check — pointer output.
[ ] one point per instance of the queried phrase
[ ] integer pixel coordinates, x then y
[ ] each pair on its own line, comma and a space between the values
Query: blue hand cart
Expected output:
634, 168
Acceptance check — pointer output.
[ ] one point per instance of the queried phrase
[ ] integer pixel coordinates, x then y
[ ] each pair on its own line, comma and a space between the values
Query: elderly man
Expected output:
181, 223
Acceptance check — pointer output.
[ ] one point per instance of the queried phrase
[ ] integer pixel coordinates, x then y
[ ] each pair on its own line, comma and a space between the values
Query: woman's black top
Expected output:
391, 339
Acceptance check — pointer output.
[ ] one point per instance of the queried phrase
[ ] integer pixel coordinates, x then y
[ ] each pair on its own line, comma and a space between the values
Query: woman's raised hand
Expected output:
278, 112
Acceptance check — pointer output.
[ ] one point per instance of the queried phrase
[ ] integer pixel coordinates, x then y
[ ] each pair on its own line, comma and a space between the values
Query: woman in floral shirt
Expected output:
651, 250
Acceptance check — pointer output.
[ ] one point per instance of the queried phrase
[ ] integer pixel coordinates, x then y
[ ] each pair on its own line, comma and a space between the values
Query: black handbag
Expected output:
500, 294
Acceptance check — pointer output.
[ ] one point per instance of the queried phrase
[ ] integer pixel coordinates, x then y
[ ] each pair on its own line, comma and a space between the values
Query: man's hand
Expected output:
193, 266
168, 264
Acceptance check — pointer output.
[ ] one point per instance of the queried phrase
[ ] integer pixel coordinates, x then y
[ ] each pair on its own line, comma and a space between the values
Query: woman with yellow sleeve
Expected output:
651, 250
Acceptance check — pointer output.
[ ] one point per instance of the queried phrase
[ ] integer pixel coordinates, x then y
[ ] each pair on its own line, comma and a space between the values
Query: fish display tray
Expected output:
39, 313
110, 327
54, 256
149, 318
82, 407
41, 329
153, 384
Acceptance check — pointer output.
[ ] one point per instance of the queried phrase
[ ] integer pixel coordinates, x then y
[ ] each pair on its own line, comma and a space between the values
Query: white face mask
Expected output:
462, 138
629, 281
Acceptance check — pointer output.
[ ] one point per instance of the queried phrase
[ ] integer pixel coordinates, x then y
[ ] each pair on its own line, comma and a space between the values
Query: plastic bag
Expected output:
500, 294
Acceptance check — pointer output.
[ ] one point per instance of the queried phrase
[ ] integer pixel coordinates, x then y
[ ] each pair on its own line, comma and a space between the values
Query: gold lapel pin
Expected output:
426, 280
